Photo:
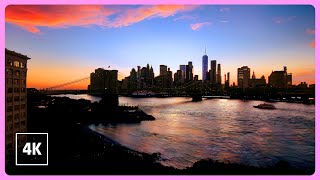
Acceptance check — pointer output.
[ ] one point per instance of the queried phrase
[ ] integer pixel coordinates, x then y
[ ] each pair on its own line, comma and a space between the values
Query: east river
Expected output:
227, 130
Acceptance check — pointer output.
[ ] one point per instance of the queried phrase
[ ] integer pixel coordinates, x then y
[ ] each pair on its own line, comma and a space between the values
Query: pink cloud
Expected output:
31, 17
135, 15
312, 44
197, 26
310, 31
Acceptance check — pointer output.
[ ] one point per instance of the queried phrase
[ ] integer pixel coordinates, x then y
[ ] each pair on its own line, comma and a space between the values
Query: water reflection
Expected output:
222, 129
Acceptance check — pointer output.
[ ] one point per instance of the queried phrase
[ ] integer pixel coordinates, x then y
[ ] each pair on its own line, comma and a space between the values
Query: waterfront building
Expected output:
302, 85
183, 71
213, 72
204, 66
256, 82
15, 99
280, 79
219, 74
103, 81
243, 77
178, 78
189, 71
227, 80
163, 70
169, 78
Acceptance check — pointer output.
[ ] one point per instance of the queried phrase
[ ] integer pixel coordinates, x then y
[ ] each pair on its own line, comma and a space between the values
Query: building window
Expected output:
10, 127
22, 98
23, 115
16, 98
9, 81
17, 73
9, 71
10, 90
23, 106
16, 117
9, 62
16, 81
16, 107
16, 125
9, 99
16, 90
9, 118
23, 74
22, 65
23, 81
9, 109
23, 90
16, 64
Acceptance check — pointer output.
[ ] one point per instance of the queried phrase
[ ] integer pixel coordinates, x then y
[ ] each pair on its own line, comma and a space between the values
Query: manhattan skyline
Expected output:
68, 42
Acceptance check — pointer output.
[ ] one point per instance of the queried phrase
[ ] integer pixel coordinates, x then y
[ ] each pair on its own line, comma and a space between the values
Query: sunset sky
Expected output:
66, 43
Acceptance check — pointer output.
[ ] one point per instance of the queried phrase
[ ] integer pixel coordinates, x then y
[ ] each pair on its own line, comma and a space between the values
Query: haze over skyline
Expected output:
68, 42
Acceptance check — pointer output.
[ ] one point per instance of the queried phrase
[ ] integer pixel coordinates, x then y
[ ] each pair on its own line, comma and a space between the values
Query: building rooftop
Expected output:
17, 54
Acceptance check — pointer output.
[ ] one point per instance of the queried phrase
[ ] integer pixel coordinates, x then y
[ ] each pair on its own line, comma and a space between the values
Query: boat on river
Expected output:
265, 106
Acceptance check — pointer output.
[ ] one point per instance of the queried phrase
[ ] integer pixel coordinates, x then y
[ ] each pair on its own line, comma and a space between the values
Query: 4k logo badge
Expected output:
31, 149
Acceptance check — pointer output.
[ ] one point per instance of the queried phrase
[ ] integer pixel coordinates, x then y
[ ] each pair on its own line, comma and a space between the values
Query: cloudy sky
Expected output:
66, 43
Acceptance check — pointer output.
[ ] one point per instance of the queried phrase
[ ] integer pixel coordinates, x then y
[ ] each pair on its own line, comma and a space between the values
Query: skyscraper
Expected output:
280, 79
163, 70
243, 77
190, 70
219, 74
204, 66
213, 72
183, 71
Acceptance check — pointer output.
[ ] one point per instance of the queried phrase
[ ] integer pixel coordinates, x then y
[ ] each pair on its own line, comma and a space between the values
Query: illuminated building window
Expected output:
17, 73
22, 65
16, 64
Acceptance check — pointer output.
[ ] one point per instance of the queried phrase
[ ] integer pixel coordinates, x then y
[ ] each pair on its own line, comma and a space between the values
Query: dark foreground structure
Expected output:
74, 149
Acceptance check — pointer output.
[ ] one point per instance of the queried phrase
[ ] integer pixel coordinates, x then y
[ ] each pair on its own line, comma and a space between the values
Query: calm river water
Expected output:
221, 129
